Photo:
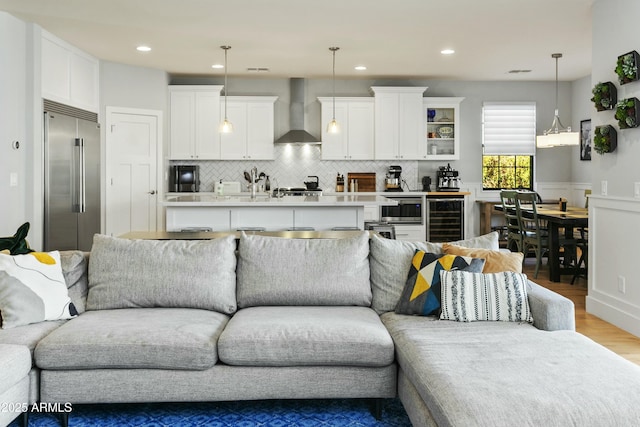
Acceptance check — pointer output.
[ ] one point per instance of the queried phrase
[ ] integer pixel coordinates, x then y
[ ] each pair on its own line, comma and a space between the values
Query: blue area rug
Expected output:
267, 413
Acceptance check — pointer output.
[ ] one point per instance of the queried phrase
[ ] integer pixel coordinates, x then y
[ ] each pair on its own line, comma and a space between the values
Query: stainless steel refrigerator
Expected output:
72, 178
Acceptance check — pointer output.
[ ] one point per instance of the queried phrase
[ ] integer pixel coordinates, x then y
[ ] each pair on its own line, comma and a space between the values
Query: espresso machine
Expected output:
448, 179
392, 181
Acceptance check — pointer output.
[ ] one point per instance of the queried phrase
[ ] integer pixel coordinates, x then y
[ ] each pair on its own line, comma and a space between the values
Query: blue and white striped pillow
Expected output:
469, 297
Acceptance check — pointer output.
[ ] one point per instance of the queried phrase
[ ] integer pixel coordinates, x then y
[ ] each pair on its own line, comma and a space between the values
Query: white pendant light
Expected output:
333, 124
557, 135
225, 126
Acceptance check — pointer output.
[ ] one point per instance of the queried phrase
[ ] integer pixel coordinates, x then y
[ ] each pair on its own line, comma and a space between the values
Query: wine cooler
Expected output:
445, 219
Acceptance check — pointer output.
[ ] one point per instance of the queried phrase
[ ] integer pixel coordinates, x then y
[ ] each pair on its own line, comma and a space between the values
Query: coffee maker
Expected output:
448, 179
392, 181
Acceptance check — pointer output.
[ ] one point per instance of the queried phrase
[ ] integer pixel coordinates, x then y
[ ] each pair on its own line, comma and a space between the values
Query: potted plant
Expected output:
627, 67
605, 96
627, 113
605, 139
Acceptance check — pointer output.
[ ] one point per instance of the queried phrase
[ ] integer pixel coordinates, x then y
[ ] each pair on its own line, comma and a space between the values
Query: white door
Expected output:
132, 141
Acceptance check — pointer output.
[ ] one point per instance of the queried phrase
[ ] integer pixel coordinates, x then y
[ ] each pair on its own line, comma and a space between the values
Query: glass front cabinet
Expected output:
441, 118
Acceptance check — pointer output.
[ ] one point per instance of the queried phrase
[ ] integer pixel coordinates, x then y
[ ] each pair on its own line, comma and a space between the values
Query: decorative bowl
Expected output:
445, 131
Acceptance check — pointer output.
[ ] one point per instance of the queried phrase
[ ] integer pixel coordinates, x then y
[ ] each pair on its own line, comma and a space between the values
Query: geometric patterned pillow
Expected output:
421, 293
468, 297
33, 289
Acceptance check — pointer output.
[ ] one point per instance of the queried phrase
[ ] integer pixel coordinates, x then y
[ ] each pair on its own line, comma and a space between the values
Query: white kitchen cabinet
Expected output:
355, 117
70, 76
410, 232
398, 122
253, 128
441, 136
194, 118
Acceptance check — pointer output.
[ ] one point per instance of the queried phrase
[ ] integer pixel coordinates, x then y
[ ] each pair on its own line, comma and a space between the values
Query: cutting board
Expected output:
366, 181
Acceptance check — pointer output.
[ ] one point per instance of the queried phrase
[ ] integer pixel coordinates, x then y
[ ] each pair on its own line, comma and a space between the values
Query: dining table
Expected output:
573, 217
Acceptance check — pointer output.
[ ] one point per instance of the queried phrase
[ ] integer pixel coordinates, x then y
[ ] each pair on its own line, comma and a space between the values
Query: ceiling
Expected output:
394, 39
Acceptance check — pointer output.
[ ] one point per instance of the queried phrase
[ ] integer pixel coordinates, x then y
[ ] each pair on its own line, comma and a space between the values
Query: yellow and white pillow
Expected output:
33, 289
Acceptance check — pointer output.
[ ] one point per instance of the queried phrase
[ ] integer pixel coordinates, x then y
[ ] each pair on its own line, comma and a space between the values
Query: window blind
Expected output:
509, 128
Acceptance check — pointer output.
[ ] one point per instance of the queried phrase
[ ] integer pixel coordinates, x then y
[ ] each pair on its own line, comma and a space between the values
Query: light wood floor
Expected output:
610, 336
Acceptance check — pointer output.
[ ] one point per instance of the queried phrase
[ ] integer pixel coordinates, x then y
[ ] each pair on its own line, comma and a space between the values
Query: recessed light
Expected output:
143, 48
447, 51
217, 66
360, 67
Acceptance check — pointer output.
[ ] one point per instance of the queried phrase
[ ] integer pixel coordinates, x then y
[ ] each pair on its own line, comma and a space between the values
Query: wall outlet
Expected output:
13, 179
622, 287
603, 188
636, 190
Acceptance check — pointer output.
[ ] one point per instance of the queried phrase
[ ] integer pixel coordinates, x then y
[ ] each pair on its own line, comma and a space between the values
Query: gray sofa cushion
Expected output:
391, 259
278, 271
157, 338
29, 335
75, 271
15, 364
169, 273
506, 374
303, 336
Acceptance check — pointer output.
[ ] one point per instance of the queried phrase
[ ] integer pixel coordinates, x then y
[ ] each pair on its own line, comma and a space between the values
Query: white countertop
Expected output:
212, 200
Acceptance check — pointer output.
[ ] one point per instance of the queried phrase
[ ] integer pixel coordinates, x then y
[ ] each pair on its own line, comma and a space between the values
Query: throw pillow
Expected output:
469, 297
33, 289
390, 260
496, 261
16, 244
421, 294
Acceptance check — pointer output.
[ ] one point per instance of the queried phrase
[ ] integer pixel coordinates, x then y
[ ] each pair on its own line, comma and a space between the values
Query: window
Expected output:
509, 144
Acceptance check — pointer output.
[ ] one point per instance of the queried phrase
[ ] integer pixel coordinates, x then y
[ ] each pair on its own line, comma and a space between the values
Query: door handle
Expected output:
152, 192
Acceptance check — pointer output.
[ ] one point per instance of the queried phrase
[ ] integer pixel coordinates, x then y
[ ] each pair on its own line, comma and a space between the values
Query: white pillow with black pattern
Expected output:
470, 297
33, 289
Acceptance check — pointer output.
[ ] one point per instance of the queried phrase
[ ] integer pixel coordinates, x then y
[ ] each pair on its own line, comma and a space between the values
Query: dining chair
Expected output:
535, 234
513, 227
582, 243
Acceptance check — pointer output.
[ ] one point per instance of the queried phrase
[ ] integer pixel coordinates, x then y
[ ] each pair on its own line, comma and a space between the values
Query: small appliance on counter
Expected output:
426, 183
393, 182
448, 179
339, 183
184, 179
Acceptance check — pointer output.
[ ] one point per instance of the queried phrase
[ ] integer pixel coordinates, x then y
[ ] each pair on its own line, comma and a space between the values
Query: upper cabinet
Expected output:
441, 137
398, 122
194, 118
69, 75
253, 129
355, 117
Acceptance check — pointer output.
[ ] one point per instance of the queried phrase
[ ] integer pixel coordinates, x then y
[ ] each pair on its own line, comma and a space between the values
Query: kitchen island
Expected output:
194, 212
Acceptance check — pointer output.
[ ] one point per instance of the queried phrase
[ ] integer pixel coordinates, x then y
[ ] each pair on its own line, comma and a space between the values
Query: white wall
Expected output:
582, 108
13, 105
614, 218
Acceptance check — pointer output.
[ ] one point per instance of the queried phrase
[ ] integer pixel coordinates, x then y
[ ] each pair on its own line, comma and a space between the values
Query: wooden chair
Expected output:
582, 243
535, 234
513, 227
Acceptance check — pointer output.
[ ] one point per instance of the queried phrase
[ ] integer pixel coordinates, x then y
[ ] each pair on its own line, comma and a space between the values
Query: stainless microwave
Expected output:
408, 211
184, 179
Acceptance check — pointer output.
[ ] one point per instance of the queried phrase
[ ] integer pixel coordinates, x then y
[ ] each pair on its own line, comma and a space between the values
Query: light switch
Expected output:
13, 179
603, 188
636, 190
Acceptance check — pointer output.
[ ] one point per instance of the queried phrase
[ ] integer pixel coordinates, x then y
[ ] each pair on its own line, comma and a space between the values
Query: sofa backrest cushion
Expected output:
75, 270
162, 273
281, 271
391, 260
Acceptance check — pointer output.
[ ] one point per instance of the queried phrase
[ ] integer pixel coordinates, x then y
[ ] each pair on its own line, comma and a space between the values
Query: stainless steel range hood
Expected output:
297, 134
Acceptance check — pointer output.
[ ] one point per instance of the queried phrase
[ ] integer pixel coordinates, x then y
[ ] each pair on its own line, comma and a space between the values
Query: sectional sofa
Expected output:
274, 318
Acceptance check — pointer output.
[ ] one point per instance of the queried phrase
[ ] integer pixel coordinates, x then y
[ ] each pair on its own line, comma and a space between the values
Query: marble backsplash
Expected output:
294, 163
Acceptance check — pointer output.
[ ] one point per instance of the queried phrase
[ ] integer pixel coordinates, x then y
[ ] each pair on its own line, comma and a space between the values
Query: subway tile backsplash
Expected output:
292, 165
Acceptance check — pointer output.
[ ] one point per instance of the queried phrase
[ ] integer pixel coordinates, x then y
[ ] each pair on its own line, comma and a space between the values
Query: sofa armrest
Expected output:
550, 311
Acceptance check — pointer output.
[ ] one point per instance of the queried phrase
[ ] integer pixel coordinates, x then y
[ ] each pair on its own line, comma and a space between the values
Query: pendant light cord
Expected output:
226, 48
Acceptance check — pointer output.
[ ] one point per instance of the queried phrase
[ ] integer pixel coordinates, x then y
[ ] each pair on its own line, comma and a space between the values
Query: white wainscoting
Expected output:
614, 234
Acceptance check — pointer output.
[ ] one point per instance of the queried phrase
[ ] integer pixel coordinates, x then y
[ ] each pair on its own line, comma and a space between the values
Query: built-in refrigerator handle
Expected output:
79, 203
